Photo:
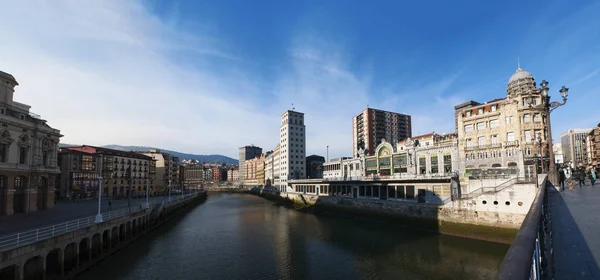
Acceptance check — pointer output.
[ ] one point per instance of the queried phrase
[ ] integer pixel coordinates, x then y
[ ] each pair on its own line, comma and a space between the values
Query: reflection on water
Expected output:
234, 236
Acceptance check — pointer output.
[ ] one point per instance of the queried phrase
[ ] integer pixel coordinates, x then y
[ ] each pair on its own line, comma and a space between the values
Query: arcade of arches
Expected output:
21, 192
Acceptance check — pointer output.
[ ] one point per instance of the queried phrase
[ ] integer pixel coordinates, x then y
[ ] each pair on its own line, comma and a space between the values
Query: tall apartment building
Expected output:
246, 153
233, 174
79, 173
292, 151
372, 125
572, 145
191, 175
28, 155
505, 132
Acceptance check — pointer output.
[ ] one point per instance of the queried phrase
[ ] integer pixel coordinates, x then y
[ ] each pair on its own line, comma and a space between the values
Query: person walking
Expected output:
581, 178
593, 176
561, 178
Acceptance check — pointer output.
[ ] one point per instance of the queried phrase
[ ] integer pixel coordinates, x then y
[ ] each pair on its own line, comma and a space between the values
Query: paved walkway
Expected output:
62, 212
576, 231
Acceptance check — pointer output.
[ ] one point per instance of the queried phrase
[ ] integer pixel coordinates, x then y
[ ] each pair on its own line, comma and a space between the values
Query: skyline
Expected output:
93, 70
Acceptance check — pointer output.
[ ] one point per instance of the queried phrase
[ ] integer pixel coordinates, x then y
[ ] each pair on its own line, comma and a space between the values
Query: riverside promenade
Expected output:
64, 211
576, 232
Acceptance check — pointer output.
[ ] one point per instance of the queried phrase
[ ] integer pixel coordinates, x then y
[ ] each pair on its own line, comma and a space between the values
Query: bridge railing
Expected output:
530, 255
11, 241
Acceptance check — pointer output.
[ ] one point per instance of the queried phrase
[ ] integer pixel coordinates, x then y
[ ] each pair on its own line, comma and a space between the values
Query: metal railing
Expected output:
530, 255
12, 241
495, 189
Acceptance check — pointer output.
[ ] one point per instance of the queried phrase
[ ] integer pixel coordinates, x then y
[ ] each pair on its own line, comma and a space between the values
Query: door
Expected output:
421, 196
354, 192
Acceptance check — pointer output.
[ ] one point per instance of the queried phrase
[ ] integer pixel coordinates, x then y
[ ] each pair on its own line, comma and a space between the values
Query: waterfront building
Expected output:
167, 170
123, 173
314, 166
272, 171
292, 153
28, 155
370, 126
80, 172
508, 132
572, 146
246, 153
233, 174
192, 176
591, 148
208, 174
254, 170
344, 167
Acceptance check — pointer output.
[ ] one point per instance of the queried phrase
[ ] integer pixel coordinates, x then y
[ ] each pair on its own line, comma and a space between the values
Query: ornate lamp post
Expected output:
550, 106
99, 216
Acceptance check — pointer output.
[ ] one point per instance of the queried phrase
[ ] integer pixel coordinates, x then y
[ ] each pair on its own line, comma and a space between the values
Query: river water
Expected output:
236, 236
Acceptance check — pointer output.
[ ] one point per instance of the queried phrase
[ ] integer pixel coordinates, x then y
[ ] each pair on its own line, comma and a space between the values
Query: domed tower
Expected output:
519, 83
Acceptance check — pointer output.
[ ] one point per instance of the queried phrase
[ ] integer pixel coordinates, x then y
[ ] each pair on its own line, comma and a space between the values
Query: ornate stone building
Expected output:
509, 132
28, 155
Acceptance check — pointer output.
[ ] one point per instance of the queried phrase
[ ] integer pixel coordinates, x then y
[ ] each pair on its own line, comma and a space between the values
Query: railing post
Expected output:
37, 235
53, 230
18, 236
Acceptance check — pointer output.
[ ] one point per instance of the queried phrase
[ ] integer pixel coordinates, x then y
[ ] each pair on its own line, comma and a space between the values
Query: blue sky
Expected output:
210, 76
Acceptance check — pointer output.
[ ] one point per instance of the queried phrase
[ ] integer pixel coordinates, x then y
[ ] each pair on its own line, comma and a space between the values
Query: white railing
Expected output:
31, 236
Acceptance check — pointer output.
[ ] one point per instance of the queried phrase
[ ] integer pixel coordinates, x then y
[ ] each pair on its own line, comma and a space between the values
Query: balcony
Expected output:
511, 144
483, 147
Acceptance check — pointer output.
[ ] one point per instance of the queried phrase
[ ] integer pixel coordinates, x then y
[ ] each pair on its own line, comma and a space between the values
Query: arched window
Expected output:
20, 182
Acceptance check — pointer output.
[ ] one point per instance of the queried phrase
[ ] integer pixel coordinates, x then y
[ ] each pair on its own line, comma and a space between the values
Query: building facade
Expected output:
246, 153
509, 132
124, 173
233, 174
219, 174
572, 145
314, 166
28, 155
80, 172
370, 126
272, 170
191, 176
344, 168
292, 150
591, 148
166, 170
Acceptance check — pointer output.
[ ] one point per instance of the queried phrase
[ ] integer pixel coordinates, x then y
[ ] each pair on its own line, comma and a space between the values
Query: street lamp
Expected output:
147, 188
169, 189
99, 216
550, 106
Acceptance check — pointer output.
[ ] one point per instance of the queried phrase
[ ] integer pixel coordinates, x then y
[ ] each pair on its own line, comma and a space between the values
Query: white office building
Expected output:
292, 153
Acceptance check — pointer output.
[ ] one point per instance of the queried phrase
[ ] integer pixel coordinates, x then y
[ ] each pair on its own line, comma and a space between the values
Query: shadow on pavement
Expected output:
575, 236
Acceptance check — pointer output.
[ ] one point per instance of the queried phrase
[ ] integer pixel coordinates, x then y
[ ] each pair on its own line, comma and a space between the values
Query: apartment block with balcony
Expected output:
166, 170
372, 125
192, 176
572, 142
124, 173
28, 155
591, 148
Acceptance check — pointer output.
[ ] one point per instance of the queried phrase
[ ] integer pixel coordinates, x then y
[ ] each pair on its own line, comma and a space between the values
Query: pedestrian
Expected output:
109, 206
581, 178
561, 175
593, 176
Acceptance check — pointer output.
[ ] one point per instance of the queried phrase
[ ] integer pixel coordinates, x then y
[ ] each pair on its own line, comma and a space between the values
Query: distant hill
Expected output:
182, 156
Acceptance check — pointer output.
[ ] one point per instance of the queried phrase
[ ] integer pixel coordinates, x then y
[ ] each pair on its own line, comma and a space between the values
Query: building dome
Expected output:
520, 74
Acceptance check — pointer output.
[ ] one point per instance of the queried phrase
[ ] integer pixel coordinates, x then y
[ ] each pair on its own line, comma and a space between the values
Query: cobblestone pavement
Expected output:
576, 232
62, 212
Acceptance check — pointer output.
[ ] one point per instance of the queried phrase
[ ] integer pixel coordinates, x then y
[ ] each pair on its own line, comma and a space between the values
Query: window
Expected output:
469, 143
400, 192
528, 136
468, 114
422, 166
45, 157
509, 120
22, 155
494, 108
468, 128
537, 117
510, 136
434, 164
526, 118
481, 141
3, 153
494, 123
494, 139
480, 125
537, 134
410, 192
479, 111
447, 163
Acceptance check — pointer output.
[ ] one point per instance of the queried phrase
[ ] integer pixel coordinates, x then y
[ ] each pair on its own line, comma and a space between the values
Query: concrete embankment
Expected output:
455, 222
